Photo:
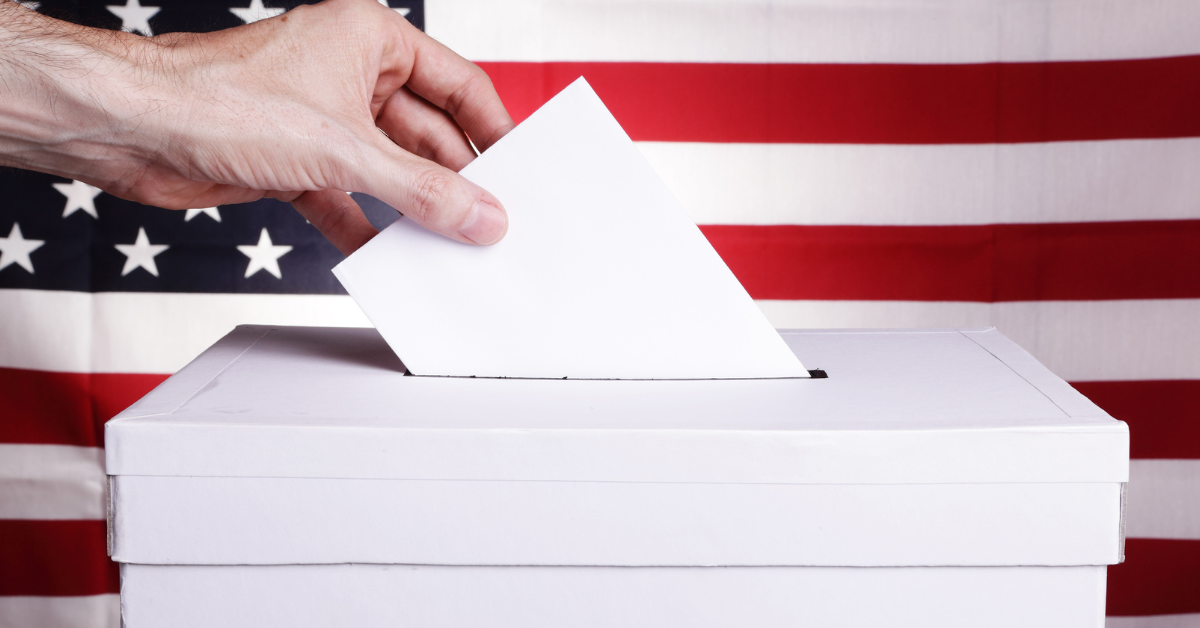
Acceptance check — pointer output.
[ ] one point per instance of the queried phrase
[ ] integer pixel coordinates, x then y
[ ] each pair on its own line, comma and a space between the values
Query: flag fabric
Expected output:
1032, 165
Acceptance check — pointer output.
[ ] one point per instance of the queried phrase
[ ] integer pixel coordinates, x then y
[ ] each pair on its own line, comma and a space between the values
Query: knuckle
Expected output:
430, 191
456, 99
481, 77
323, 216
426, 147
335, 220
477, 82
300, 12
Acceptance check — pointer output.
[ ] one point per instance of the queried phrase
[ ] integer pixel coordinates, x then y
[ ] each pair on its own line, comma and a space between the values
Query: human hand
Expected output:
287, 108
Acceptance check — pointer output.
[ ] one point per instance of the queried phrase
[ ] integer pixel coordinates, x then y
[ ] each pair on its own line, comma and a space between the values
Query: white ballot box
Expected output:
299, 477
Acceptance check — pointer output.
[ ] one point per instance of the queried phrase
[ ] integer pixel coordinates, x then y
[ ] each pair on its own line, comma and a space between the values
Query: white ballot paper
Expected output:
601, 276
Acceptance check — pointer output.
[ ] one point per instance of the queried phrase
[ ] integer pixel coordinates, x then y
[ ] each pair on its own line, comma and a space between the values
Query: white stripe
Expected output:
52, 482
91, 611
815, 31
875, 314
1190, 620
143, 332
854, 184
1077, 340
158, 333
1164, 498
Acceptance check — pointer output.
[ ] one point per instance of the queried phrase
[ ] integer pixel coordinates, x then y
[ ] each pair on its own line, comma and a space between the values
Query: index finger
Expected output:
458, 87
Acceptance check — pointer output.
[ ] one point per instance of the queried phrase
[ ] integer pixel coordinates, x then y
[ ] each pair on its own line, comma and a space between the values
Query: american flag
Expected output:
1033, 165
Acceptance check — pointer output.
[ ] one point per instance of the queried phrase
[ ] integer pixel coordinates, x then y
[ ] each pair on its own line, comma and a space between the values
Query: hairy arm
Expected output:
63, 108
288, 108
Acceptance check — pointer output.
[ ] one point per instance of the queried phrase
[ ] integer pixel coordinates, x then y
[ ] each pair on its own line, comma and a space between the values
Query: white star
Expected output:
15, 249
32, 6
135, 18
255, 12
140, 254
264, 255
211, 212
402, 12
79, 196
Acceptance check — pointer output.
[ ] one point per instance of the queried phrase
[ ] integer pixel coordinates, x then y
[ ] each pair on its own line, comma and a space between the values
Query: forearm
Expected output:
74, 101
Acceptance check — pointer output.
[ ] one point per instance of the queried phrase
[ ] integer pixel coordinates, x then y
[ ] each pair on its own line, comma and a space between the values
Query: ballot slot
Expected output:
814, 374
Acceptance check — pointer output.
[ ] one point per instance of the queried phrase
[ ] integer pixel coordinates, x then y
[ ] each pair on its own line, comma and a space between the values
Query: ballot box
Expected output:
299, 477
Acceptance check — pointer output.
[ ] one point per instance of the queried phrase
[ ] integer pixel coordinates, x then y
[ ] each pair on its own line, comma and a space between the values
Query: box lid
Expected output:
898, 407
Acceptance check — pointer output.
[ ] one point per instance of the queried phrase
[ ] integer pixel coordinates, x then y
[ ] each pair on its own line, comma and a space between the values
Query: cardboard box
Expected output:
297, 476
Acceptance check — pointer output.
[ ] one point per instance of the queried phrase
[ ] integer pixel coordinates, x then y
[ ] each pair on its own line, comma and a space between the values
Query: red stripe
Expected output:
1163, 416
55, 558
988, 263
44, 407
876, 103
1158, 577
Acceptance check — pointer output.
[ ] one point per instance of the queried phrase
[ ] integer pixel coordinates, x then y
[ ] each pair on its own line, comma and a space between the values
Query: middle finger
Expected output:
424, 130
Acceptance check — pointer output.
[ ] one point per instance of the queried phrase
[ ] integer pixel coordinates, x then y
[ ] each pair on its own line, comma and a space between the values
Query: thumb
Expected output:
437, 198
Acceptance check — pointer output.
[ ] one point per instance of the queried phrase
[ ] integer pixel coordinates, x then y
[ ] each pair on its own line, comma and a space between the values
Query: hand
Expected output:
288, 108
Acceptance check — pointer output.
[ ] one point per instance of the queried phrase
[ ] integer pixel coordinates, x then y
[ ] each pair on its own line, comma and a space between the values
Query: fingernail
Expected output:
486, 224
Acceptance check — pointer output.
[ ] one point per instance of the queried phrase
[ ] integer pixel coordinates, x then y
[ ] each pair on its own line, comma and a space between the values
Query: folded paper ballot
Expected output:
596, 244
